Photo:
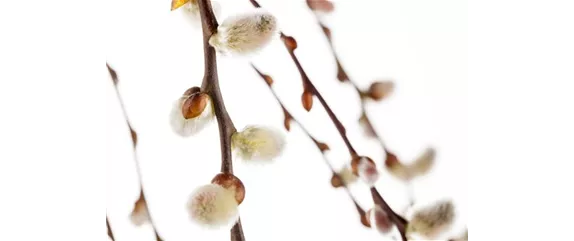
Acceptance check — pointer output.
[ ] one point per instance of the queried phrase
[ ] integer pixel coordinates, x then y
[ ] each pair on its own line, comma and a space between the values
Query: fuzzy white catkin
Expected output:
244, 34
347, 175
140, 215
368, 172
187, 127
258, 143
214, 207
429, 222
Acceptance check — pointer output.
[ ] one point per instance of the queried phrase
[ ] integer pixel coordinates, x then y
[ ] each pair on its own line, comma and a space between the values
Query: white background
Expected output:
158, 55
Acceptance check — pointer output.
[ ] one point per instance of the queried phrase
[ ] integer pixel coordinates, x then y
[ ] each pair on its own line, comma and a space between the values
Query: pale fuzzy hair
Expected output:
258, 143
214, 207
368, 172
245, 33
347, 175
380, 220
430, 221
187, 127
140, 215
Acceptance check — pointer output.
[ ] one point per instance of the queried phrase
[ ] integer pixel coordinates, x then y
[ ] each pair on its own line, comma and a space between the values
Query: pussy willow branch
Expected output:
344, 77
210, 85
134, 138
322, 147
110, 233
290, 44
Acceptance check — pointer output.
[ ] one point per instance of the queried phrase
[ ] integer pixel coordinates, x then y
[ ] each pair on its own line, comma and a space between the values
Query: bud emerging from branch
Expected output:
355, 163
140, 214
244, 34
380, 90
231, 183
379, 220
258, 143
431, 221
307, 100
191, 113
345, 176
213, 206
368, 171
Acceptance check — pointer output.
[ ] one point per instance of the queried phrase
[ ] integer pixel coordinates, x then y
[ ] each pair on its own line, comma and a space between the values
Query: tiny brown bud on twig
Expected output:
355, 162
268, 79
336, 181
380, 90
307, 100
289, 41
287, 123
134, 136
365, 220
231, 183
321, 5
194, 105
140, 213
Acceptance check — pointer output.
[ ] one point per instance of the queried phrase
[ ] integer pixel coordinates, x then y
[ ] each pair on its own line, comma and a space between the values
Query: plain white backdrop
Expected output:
158, 55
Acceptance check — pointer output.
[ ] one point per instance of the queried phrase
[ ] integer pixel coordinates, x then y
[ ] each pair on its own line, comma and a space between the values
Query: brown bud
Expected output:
365, 220
194, 105
322, 146
381, 220
307, 99
321, 5
327, 31
191, 91
336, 181
287, 123
140, 214
356, 161
134, 136
268, 79
231, 182
391, 160
290, 42
381, 89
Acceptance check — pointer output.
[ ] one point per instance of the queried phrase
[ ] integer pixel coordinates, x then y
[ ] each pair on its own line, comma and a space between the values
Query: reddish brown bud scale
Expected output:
191, 91
307, 100
391, 160
321, 5
380, 90
194, 105
134, 136
327, 31
268, 79
336, 181
322, 146
290, 42
232, 183
365, 220
287, 123
356, 161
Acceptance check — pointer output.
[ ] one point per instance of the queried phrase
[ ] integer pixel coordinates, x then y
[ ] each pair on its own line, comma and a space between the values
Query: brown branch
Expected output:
134, 138
322, 147
210, 85
110, 233
291, 44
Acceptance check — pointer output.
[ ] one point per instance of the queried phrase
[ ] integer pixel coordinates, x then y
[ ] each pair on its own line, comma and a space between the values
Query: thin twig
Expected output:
210, 85
134, 138
322, 147
110, 233
291, 44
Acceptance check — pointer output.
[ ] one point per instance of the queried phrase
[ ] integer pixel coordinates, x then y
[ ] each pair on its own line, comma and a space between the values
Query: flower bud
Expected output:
347, 175
358, 162
258, 143
213, 206
191, 114
194, 105
396, 168
380, 90
307, 100
321, 5
140, 213
231, 183
423, 163
368, 171
244, 34
336, 181
379, 220
290, 42
430, 221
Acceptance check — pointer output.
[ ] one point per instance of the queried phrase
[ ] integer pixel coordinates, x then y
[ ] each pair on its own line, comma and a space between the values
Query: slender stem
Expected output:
320, 145
291, 44
110, 233
211, 86
133, 135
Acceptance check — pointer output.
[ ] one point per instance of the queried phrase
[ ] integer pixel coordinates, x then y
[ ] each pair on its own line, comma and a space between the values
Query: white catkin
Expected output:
214, 207
258, 144
244, 34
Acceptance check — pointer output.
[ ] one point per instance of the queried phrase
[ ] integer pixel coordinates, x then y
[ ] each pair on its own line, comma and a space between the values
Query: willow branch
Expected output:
110, 233
210, 85
134, 138
291, 44
322, 147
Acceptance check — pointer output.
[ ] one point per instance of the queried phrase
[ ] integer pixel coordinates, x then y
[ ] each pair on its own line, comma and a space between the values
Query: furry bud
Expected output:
347, 175
419, 167
258, 143
213, 206
358, 162
368, 171
244, 34
321, 5
140, 214
430, 221
231, 183
191, 114
379, 220
380, 90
